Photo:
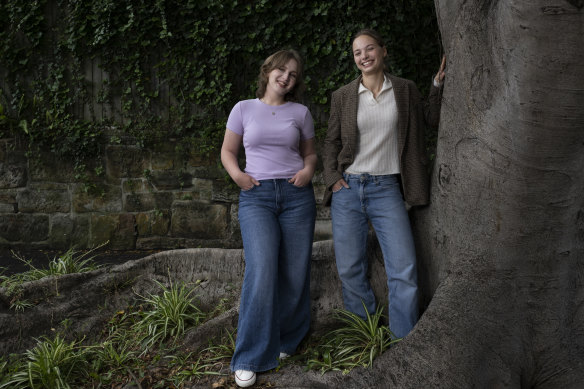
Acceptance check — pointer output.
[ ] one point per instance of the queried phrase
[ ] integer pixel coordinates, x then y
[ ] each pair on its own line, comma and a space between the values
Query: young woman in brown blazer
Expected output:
375, 158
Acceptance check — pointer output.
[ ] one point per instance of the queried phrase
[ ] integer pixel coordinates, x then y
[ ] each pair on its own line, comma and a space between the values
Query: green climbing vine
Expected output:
173, 69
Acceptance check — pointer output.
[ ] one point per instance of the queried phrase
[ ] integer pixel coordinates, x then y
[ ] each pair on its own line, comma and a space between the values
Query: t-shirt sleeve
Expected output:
235, 120
307, 130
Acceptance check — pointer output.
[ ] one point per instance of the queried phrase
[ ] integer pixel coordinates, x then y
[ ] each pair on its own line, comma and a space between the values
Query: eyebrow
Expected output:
286, 67
366, 47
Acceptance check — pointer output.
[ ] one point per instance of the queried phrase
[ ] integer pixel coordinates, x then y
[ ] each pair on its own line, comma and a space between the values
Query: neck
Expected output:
373, 82
273, 99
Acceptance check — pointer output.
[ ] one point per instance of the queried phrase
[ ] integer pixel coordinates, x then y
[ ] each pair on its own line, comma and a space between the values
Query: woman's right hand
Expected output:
245, 181
339, 184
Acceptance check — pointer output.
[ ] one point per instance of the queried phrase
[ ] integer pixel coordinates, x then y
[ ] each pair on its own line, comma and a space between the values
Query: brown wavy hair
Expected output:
274, 61
369, 32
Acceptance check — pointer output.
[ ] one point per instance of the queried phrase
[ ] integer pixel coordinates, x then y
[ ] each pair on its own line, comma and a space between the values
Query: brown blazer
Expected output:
414, 114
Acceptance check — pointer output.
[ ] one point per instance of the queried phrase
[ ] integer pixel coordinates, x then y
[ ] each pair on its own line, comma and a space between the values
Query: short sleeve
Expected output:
307, 130
235, 120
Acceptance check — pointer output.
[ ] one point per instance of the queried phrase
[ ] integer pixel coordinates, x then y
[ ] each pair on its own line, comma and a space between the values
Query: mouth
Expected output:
366, 63
283, 84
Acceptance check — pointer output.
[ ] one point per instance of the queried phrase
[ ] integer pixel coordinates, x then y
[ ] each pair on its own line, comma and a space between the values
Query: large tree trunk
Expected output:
502, 244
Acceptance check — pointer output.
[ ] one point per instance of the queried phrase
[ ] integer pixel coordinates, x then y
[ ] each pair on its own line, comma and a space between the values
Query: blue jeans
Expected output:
277, 227
377, 199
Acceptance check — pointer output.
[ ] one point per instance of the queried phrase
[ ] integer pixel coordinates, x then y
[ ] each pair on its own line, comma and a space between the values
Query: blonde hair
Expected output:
280, 58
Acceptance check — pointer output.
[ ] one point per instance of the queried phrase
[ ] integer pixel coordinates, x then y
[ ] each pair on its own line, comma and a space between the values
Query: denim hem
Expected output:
254, 368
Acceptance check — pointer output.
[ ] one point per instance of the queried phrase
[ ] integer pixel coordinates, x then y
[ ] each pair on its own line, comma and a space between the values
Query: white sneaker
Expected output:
245, 378
284, 355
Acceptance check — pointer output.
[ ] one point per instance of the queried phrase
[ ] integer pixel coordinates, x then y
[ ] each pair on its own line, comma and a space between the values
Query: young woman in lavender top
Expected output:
276, 214
374, 158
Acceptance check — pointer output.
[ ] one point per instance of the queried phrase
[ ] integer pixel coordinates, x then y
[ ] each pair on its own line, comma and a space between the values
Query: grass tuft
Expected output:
170, 314
69, 262
52, 363
356, 343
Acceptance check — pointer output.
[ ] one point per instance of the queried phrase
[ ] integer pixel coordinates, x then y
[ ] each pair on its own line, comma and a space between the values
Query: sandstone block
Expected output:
118, 229
323, 212
203, 188
199, 220
126, 162
143, 202
225, 192
168, 179
38, 200
323, 230
49, 168
8, 203
67, 231
136, 185
212, 171
109, 199
13, 170
234, 225
153, 223
22, 227
165, 158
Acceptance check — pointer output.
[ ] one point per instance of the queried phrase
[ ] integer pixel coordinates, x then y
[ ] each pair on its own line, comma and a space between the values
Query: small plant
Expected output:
222, 306
170, 314
52, 363
195, 371
112, 356
210, 361
223, 351
20, 305
356, 343
69, 262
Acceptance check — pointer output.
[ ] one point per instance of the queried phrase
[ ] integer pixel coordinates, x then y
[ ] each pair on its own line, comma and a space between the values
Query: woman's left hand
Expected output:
302, 178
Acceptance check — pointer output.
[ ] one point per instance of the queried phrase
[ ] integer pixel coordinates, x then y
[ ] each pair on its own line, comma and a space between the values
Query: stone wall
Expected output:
142, 199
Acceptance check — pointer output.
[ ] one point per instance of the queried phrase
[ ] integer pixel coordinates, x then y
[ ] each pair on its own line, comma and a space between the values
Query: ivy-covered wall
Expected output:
80, 78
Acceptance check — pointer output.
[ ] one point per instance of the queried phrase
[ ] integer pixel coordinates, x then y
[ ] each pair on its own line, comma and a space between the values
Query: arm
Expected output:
432, 106
308, 153
332, 147
229, 152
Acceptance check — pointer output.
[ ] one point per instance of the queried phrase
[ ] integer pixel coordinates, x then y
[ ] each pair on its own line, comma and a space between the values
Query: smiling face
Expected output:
368, 54
281, 73
282, 79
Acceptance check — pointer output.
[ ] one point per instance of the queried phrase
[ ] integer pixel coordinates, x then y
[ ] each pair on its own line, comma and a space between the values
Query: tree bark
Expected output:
502, 244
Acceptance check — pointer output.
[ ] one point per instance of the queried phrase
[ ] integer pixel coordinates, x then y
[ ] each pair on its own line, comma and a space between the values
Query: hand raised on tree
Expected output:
439, 78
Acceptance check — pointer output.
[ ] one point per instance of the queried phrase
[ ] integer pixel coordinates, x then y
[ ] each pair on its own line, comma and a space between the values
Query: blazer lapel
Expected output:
352, 106
401, 100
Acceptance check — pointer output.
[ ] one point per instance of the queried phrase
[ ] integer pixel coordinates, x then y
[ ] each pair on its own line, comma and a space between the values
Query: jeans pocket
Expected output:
248, 190
299, 187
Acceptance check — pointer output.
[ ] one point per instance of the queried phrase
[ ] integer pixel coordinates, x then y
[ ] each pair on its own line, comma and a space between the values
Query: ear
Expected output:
384, 51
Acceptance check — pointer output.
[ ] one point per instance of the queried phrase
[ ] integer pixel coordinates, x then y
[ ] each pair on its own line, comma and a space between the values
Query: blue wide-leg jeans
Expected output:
377, 199
277, 227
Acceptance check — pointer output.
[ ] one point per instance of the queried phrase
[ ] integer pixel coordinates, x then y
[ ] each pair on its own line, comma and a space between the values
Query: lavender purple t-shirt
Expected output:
271, 136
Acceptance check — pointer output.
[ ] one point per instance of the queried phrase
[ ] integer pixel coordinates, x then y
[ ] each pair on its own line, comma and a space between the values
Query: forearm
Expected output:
230, 163
310, 161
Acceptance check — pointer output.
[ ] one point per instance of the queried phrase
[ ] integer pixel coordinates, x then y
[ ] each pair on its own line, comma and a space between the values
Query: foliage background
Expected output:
174, 69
